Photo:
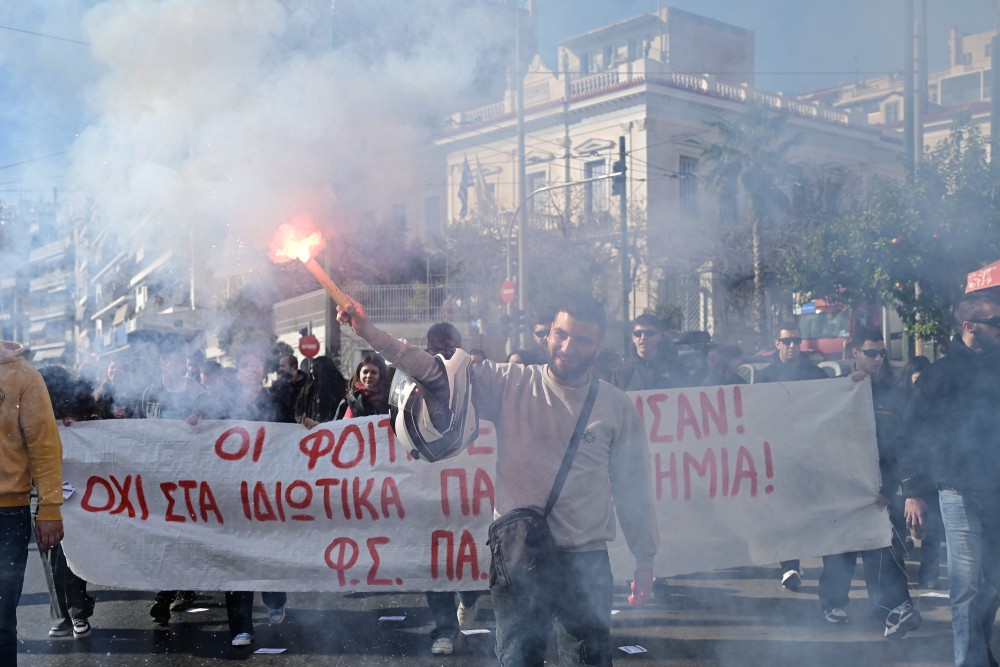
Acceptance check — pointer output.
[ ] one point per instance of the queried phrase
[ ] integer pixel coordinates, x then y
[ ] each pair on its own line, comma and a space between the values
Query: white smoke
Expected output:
229, 117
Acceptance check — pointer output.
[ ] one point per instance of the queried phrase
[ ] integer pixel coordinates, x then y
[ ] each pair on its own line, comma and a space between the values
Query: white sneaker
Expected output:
837, 616
243, 639
442, 646
467, 615
791, 580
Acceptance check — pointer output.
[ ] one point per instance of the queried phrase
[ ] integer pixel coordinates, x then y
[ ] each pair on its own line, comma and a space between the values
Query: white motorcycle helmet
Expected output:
431, 428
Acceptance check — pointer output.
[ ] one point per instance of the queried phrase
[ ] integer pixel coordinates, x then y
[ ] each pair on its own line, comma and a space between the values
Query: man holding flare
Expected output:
535, 410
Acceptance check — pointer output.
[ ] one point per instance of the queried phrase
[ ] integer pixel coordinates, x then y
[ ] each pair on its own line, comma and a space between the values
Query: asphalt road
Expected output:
739, 618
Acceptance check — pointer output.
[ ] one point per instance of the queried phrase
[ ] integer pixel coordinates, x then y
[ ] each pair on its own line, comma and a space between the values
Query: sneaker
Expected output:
837, 615
185, 600
276, 615
901, 620
467, 615
160, 611
442, 646
81, 628
61, 630
243, 639
791, 580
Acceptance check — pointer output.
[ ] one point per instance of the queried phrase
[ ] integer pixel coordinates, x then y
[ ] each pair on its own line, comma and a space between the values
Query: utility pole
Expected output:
619, 186
522, 183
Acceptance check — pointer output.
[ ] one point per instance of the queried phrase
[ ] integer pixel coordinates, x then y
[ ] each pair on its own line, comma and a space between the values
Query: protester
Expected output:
287, 387
541, 321
790, 365
321, 395
30, 453
524, 356
535, 409
114, 395
726, 370
929, 573
369, 390
254, 404
884, 568
653, 364
443, 338
608, 361
176, 396
70, 605
951, 427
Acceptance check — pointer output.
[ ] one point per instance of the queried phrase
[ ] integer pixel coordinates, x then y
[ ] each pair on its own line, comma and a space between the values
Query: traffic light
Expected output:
618, 180
506, 326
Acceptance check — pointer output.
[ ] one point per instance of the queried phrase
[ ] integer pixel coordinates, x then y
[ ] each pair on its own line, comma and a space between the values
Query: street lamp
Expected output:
521, 273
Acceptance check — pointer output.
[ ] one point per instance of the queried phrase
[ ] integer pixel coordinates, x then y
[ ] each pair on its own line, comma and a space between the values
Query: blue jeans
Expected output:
885, 574
973, 566
15, 533
577, 600
442, 606
239, 609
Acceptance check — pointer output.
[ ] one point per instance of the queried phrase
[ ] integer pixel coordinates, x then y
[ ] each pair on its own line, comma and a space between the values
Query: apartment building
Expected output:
964, 87
641, 79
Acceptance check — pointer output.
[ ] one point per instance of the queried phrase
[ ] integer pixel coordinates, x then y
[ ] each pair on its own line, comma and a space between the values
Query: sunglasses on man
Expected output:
790, 341
991, 321
540, 334
644, 333
871, 354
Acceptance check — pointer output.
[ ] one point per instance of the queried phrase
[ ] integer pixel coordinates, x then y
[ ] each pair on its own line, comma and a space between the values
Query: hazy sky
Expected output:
47, 84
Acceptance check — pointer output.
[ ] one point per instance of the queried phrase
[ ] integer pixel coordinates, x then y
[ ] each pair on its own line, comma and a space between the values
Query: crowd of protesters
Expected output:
934, 425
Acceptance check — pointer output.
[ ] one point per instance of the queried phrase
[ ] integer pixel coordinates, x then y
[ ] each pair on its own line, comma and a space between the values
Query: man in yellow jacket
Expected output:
30, 453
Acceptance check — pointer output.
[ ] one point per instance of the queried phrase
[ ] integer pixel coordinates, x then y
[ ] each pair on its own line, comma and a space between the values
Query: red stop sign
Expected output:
309, 346
507, 291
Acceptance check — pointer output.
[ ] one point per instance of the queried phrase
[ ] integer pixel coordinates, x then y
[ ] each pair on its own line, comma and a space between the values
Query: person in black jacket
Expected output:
320, 397
287, 387
654, 365
790, 365
952, 430
884, 568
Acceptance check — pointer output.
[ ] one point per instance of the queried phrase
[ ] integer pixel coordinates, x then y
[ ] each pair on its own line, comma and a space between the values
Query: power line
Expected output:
34, 159
42, 34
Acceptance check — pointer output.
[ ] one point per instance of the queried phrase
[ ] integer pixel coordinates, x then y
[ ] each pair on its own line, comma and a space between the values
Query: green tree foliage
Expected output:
914, 242
750, 158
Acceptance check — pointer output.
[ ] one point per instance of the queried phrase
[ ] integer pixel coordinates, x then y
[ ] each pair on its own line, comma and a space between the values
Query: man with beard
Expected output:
788, 366
951, 427
535, 409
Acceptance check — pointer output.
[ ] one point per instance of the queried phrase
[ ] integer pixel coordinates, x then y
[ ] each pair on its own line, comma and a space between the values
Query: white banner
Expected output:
743, 476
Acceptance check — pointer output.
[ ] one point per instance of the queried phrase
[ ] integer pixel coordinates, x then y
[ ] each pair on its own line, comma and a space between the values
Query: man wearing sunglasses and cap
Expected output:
790, 365
884, 568
951, 431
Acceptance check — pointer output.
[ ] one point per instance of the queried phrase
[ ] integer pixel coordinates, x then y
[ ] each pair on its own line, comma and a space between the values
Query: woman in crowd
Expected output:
114, 395
369, 390
321, 394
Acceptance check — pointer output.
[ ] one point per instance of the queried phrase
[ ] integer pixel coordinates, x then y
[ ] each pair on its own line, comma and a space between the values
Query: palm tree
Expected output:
752, 156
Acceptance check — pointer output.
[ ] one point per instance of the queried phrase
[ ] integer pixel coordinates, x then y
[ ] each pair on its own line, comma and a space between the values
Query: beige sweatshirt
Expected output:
534, 418
30, 449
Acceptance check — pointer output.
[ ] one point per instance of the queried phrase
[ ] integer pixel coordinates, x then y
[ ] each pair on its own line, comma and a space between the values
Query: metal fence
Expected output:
429, 303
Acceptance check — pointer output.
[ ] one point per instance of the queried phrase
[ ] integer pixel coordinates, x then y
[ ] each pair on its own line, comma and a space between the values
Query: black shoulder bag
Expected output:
521, 544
